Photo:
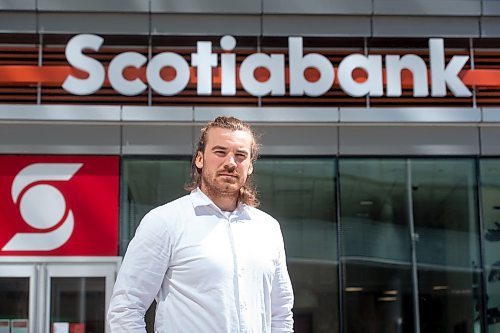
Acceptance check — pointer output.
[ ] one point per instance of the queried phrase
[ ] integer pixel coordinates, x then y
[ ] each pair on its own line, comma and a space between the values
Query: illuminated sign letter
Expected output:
299, 63
228, 66
274, 63
446, 76
204, 60
395, 64
168, 59
77, 59
372, 65
115, 73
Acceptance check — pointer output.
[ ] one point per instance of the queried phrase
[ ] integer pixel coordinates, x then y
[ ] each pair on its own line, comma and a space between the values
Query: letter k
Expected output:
442, 76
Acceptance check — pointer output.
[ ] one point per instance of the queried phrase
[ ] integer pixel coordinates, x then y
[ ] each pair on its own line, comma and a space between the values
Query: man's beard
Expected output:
219, 189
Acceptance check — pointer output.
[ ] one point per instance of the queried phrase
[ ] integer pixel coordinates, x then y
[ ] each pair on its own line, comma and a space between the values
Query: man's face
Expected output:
226, 162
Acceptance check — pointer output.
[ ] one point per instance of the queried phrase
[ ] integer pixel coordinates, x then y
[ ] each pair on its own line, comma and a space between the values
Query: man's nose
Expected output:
230, 161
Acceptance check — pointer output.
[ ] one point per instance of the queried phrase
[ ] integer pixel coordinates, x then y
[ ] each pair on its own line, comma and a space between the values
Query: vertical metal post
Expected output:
83, 300
365, 50
340, 270
44, 290
413, 241
40, 63
150, 51
259, 41
483, 308
472, 66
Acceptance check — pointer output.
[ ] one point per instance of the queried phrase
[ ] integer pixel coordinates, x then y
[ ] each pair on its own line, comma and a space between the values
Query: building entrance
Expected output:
57, 295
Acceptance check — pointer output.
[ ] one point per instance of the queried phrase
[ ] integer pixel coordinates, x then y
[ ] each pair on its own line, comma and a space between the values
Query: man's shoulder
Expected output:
177, 205
260, 215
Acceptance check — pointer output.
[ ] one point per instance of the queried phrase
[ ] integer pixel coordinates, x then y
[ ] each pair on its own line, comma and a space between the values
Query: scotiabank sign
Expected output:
284, 76
60, 205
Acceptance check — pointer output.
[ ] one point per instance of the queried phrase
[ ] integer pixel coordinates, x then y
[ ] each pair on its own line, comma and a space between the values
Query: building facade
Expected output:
380, 126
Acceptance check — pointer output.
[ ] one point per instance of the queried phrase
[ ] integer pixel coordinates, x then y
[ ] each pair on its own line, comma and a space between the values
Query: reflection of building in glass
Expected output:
385, 272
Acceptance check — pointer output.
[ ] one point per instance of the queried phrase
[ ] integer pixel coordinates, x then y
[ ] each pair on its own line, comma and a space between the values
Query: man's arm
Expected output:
281, 295
140, 277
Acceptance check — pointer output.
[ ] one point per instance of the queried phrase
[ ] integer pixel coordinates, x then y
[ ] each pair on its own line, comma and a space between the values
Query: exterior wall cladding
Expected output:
320, 18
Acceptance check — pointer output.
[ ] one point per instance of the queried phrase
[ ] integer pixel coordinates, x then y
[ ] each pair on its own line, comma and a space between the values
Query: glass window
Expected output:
490, 194
148, 183
447, 244
300, 194
14, 301
78, 304
376, 248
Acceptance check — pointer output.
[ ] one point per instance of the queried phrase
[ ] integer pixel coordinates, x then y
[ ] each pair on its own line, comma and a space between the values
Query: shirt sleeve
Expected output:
281, 294
140, 276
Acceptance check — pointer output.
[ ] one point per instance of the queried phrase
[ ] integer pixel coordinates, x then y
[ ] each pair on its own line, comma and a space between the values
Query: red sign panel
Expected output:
59, 205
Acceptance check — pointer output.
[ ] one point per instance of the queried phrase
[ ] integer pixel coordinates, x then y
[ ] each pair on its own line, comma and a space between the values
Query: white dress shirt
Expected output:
207, 271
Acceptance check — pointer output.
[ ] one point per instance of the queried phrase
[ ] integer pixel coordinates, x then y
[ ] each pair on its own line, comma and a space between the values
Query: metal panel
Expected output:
439, 26
404, 140
59, 113
491, 7
158, 139
428, 7
18, 5
316, 25
490, 26
491, 115
157, 114
297, 140
59, 139
410, 115
353, 7
17, 22
179, 24
213, 6
106, 23
94, 5
490, 139
270, 114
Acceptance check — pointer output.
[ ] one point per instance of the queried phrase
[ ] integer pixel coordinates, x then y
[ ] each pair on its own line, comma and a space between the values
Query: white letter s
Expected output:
77, 59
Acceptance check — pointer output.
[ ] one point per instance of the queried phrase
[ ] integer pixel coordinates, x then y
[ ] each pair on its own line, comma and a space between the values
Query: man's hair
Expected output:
248, 193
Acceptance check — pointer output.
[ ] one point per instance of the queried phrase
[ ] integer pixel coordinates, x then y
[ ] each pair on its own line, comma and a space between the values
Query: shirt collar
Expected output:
200, 199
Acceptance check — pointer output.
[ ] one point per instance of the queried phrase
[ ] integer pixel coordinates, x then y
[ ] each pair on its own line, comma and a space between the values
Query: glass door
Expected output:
78, 297
56, 294
17, 298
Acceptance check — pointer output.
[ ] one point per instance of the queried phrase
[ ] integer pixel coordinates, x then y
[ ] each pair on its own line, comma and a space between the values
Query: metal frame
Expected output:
41, 269
21, 270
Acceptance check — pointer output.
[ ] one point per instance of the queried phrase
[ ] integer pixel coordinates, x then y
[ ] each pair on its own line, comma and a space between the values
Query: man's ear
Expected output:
198, 161
250, 169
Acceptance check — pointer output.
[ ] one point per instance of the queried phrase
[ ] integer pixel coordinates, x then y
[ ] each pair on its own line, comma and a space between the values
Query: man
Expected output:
211, 260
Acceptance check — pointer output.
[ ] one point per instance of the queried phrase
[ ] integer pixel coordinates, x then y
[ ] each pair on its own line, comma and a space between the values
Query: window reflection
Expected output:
378, 297
376, 249
78, 304
14, 300
148, 183
300, 194
379, 199
445, 217
490, 194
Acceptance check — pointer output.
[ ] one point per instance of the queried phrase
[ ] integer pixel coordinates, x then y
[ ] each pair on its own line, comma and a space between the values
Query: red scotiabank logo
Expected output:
59, 205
